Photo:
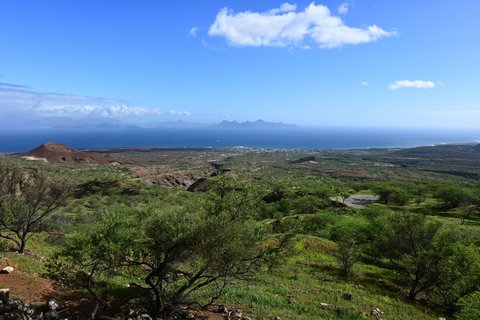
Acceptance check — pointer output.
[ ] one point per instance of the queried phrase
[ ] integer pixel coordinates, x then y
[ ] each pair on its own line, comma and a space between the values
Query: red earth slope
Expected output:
60, 153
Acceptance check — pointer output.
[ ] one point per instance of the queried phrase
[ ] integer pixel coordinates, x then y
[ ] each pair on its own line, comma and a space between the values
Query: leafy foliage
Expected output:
181, 253
470, 308
430, 257
27, 197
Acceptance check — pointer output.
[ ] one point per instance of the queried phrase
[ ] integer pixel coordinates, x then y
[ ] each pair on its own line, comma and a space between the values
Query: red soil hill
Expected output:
60, 153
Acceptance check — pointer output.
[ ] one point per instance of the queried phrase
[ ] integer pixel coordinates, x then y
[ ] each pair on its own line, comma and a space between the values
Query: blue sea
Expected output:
295, 138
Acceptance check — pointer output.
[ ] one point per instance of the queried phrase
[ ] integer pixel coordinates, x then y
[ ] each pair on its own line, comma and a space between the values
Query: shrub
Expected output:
392, 194
350, 233
27, 198
429, 257
184, 254
470, 307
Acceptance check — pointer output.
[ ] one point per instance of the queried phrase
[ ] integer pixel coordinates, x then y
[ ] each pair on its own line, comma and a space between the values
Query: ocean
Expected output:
295, 138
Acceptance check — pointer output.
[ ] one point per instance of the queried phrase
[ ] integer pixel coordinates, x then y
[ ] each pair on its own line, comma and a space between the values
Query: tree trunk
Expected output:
158, 304
23, 243
412, 295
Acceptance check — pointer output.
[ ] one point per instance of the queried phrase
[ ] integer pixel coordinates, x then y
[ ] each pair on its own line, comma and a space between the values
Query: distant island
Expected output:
259, 124
181, 124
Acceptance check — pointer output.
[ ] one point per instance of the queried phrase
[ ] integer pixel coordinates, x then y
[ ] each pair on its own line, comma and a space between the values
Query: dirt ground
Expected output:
38, 290
27, 288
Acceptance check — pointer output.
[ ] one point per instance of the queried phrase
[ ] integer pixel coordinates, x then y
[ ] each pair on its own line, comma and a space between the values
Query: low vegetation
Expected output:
271, 236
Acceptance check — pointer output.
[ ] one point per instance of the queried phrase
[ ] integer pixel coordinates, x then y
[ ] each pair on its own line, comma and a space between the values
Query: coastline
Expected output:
311, 139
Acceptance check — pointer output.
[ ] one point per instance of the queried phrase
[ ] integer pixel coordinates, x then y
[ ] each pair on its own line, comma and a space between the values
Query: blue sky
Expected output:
336, 63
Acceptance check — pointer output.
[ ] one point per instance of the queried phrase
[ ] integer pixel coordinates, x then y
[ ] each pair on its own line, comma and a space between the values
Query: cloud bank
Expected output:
418, 84
18, 104
102, 111
285, 26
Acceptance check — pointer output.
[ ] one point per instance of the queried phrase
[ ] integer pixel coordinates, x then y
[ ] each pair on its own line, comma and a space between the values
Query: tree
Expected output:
450, 196
344, 193
350, 235
180, 253
432, 258
392, 194
27, 197
459, 274
305, 204
95, 251
470, 212
409, 241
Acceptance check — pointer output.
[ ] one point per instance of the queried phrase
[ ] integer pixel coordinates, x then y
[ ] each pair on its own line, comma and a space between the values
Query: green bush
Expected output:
182, 254
392, 194
428, 257
350, 233
470, 308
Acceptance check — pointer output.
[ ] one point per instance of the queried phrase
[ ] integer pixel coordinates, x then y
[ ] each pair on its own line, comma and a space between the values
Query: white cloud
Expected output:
102, 111
193, 32
419, 84
23, 105
343, 8
285, 7
364, 83
285, 26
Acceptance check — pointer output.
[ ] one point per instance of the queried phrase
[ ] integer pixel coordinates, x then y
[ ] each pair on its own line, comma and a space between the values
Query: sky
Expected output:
369, 63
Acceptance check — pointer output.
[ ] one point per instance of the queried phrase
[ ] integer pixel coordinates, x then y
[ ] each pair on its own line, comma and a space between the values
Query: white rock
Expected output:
376, 312
52, 305
7, 270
